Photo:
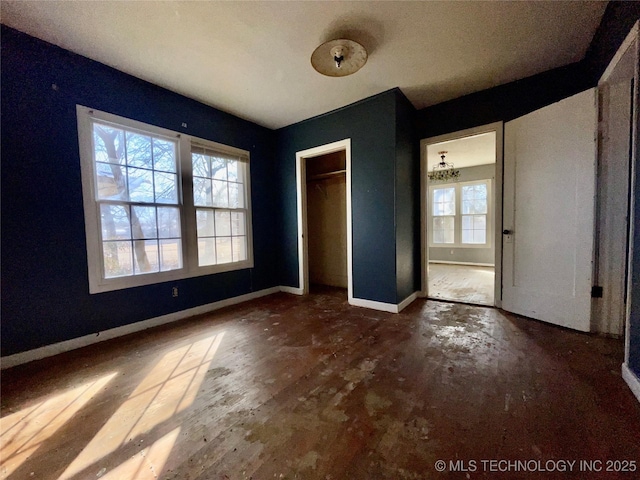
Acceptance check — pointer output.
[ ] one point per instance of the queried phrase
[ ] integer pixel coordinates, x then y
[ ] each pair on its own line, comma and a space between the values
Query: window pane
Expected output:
110, 182
443, 230
143, 222
474, 199
140, 185
170, 254
444, 194
117, 259
223, 250
205, 224
223, 223
234, 171
474, 206
218, 168
239, 248
206, 251
449, 236
236, 195
220, 194
202, 192
200, 165
164, 155
139, 150
169, 222
474, 229
237, 223
480, 222
444, 201
115, 222
166, 185
145, 254
108, 144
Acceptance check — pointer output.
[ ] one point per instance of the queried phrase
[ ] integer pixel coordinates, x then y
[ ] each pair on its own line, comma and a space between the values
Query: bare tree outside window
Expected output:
133, 171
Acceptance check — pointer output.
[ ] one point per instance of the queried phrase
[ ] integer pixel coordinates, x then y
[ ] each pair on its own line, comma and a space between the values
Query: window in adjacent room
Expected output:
459, 214
160, 205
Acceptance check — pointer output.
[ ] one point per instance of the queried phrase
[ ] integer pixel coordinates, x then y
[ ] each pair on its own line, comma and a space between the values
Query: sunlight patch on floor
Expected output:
147, 463
170, 387
23, 432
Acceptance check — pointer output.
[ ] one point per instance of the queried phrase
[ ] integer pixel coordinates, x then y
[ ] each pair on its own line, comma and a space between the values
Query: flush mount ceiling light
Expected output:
339, 58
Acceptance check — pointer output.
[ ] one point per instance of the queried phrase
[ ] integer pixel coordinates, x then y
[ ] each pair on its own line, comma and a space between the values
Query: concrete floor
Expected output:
311, 388
462, 283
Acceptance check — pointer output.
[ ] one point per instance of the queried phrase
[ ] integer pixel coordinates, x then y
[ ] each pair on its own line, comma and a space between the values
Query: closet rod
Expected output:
322, 176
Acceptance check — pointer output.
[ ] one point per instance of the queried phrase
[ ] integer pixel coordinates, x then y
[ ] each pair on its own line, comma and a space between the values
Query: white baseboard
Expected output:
407, 301
65, 346
75, 343
383, 307
472, 264
632, 380
292, 290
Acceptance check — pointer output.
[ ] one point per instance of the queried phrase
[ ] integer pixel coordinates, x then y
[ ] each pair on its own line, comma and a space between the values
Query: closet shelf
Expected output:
322, 176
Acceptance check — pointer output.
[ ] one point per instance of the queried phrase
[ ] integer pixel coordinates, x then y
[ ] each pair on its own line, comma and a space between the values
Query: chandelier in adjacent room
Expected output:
443, 171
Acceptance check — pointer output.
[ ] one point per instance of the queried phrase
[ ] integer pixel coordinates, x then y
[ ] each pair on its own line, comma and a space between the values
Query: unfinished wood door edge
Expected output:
632, 380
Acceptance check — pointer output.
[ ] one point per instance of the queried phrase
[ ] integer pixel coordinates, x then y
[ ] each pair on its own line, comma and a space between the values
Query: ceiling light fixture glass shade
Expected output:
339, 58
443, 171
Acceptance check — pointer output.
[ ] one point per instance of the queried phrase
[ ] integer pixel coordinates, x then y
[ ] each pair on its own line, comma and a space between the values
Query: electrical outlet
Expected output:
174, 292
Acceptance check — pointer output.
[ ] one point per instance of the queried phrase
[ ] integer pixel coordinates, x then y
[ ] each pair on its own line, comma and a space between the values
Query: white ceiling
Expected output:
252, 59
465, 152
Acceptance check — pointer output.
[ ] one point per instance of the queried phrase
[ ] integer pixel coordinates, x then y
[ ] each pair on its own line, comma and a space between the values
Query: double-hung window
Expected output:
160, 205
221, 211
460, 214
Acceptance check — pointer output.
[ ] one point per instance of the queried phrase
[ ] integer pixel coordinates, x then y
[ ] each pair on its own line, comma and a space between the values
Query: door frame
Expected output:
498, 128
301, 194
632, 39
630, 42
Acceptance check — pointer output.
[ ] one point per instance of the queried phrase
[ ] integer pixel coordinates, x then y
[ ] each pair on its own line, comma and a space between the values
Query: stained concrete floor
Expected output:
311, 388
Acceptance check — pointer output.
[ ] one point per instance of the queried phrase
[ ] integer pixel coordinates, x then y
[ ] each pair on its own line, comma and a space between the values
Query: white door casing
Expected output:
498, 128
301, 194
549, 186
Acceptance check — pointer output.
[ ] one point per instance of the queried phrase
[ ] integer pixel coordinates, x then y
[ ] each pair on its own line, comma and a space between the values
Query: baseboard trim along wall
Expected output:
471, 264
75, 343
292, 290
632, 380
384, 307
407, 301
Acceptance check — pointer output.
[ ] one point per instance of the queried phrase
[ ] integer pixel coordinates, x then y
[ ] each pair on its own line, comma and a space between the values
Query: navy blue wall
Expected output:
45, 291
407, 201
370, 124
502, 103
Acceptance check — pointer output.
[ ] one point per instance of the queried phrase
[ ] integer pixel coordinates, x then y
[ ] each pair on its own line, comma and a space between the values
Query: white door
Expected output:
548, 218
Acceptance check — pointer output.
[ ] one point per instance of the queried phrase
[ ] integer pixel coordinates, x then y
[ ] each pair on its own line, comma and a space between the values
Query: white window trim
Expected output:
458, 215
190, 268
